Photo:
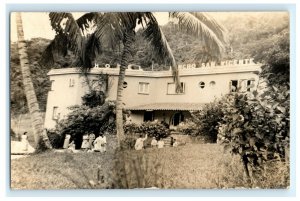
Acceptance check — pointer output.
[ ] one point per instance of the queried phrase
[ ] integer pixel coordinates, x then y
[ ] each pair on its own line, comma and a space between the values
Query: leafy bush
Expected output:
93, 99
56, 140
188, 127
204, 123
152, 129
256, 125
83, 119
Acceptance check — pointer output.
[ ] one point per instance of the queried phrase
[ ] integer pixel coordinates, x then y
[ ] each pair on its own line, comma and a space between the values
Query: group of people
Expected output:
159, 143
89, 143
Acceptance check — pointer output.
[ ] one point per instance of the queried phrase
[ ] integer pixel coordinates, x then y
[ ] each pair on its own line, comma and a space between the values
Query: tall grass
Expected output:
202, 166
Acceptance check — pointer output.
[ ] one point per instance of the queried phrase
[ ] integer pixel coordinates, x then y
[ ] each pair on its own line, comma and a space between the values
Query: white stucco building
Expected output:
151, 95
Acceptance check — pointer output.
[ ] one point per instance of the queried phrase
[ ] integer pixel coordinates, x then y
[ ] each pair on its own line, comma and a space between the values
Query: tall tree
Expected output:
35, 115
122, 26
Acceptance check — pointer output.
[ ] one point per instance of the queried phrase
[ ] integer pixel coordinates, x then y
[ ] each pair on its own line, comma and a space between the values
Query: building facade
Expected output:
151, 95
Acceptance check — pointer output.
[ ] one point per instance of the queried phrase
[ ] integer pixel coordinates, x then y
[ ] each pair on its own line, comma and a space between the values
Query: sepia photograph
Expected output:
149, 100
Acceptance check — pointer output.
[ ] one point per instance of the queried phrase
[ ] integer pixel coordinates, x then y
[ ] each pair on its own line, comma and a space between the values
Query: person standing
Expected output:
160, 143
153, 142
85, 142
67, 141
139, 144
100, 143
24, 142
175, 143
92, 138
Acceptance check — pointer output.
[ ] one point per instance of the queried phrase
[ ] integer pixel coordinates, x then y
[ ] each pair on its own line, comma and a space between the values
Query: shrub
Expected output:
56, 139
93, 99
152, 129
84, 119
256, 125
188, 127
204, 123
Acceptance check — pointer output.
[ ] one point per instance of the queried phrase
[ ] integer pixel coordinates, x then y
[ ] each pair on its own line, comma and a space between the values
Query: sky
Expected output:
37, 24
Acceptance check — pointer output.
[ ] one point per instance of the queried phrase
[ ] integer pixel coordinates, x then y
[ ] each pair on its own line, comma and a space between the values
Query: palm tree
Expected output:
36, 118
122, 26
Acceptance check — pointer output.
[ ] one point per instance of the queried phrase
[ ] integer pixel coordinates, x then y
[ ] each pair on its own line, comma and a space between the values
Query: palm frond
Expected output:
109, 28
92, 49
161, 47
213, 25
69, 37
204, 27
56, 47
84, 20
71, 29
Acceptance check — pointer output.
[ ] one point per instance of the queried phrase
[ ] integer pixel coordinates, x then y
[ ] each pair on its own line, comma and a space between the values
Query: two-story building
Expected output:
151, 95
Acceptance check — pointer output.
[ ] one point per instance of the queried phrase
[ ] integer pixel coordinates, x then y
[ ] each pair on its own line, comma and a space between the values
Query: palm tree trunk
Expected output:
36, 118
127, 53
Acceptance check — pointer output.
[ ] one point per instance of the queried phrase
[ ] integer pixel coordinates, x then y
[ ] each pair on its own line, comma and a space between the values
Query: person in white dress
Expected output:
100, 144
24, 142
91, 140
175, 143
139, 143
85, 142
67, 141
160, 144
153, 142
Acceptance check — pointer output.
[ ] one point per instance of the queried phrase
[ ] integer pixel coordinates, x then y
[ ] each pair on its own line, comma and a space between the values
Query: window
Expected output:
250, 84
125, 85
212, 84
71, 82
201, 84
246, 85
171, 88
143, 88
148, 116
55, 114
52, 85
233, 86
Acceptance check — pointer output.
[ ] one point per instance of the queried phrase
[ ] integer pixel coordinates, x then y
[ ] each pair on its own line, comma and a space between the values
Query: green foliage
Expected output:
204, 123
277, 59
188, 127
39, 77
56, 139
83, 119
256, 125
93, 99
151, 128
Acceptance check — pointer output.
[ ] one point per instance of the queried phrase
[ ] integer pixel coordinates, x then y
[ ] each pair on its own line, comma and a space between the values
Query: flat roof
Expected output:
255, 68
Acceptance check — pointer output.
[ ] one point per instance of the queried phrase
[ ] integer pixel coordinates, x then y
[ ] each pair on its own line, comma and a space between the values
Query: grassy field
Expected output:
190, 166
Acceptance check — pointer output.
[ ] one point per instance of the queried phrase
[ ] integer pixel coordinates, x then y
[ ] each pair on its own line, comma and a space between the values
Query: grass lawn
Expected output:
189, 166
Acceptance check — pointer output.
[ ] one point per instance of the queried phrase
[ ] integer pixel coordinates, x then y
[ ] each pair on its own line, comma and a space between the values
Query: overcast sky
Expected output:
37, 24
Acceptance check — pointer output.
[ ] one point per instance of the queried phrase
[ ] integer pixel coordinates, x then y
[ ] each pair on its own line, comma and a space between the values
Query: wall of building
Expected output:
66, 93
